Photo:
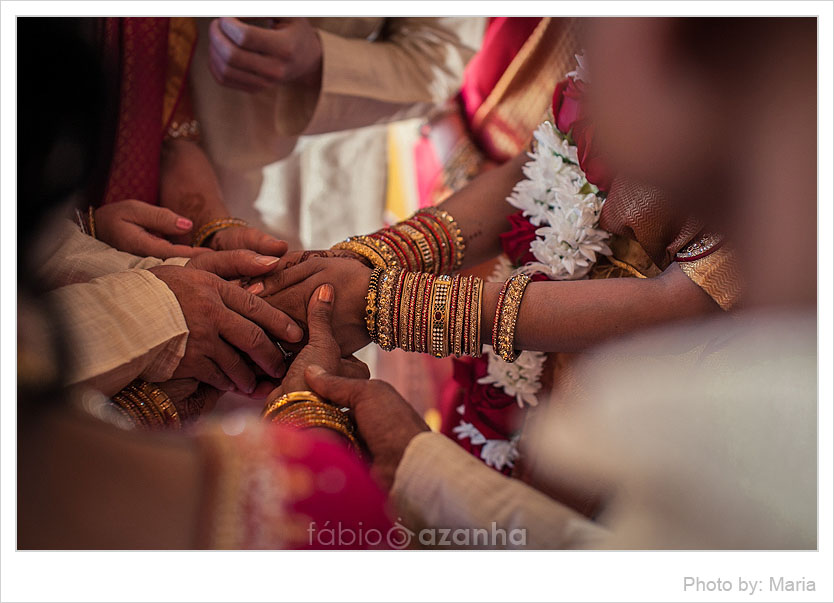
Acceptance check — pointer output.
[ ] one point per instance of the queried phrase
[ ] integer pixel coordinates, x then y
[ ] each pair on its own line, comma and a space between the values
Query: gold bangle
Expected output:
370, 303
440, 316
454, 232
475, 347
369, 253
305, 409
91, 218
161, 402
384, 326
506, 315
209, 229
422, 244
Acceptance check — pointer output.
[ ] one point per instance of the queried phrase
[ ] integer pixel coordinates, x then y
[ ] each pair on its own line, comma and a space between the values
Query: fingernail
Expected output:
255, 288
326, 294
315, 370
184, 223
294, 332
231, 388
266, 260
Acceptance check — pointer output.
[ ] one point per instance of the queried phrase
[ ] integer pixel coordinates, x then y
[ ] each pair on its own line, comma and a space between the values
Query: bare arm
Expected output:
481, 210
568, 316
189, 185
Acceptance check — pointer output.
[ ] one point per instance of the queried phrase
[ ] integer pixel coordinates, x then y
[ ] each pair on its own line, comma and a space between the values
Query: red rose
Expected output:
567, 104
567, 110
596, 171
516, 241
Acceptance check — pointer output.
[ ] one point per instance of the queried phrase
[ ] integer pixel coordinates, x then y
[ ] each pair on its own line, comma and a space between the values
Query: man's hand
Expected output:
139, 228
227, 325
252, 58
322, 349
386, 421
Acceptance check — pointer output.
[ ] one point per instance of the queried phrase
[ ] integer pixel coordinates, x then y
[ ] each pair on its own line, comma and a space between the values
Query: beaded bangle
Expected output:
91, 218
305, 410
370, 302
147, 406
506, 315
385, 336
209, 229
365, 251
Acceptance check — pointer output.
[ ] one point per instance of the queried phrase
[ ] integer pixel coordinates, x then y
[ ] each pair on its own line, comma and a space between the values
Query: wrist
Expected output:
488, 310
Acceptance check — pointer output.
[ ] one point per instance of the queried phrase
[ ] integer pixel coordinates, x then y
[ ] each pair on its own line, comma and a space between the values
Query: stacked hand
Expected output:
386, 422
230, 329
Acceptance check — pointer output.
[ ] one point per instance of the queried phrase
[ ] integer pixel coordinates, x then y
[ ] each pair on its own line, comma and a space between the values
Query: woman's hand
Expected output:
291, 289
139, 228
322, 349
246, 237
386, 422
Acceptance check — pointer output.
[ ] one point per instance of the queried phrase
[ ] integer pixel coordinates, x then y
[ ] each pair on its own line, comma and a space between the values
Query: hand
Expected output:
385, 420
240, 237
135, 227
291, 289
252, 58
227, 324
191, 398
322, 349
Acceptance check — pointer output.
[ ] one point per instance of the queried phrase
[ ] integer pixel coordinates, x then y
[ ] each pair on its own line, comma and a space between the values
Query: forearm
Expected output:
481, 210
189, 185
569, 316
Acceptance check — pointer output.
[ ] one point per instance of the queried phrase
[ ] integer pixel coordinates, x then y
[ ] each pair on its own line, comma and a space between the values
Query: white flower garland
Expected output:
495, 453
556, 196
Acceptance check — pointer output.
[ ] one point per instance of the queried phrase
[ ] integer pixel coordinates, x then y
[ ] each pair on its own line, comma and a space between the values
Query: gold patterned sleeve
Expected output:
712, 265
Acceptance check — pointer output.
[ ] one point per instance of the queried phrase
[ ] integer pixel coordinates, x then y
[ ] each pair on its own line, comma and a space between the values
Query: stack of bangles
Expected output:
147, 406
429, 241
306, 410
209, 229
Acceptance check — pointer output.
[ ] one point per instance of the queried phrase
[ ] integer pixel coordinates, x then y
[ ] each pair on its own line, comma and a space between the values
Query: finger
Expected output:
261, 313
150, 245
267, 66
255, 240
353, 368
319, 316
234, 263
233, 366
341, 390
250, 37
160, 220
249, 338
211, 374
232, 77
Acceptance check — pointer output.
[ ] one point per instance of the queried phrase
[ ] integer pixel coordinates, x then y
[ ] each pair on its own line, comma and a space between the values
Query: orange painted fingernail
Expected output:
184, 223
326, 294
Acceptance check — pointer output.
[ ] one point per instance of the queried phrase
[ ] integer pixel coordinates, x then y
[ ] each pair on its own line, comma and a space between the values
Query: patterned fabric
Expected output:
717, 272
641, 213
142, 47
269, 487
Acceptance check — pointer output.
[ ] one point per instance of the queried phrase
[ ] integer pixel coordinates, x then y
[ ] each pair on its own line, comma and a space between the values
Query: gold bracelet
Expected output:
438, 345
369, 253
161, 402
506, 315
305, 409
209, 229
370, 303
454, 232
147, 406
91, 218
384, 327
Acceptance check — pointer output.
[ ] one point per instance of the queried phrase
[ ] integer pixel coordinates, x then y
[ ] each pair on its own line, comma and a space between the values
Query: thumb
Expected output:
319, 316
161, 220
340, 390
234, 264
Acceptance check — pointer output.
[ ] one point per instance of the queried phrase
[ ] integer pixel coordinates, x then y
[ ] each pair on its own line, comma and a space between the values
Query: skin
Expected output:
386, 421
228, 326
566, 316
253, 58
